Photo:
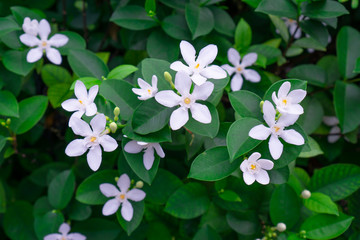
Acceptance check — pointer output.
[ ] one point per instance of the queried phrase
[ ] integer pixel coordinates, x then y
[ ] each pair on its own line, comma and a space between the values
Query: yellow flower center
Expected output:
284, 101
276, 129
239, 69
252, 166
149, 91
187, 100
122, 196
92, 139
81, 102
63, 238
197, 66
44, 43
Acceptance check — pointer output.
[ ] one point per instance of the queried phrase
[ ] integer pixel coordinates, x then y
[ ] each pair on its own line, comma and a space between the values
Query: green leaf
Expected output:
175, 26
243, 35
48, 223
314, 74
338, 181
15, 61
88, 191
19, 221
87, 81
21, 12
315, 149
150, 6
246, 104
348, 50
3, 202
213, 164
346, 95
52, 74
245, 224
330, 64
313, 114
157, 67
324, 226
199, 19
269, 52
208, 130
97, 228
75, 42
316, 30
223, 22
281, 26
43, 175
321, 203
207, 232
31, 110
61, 189
293, 51
133, 17
122, 71
78, 211
150, 117
238, 139
7, 25
120, 93
162, 46
136, 163
284, 206
279, 175
86, 64
324, 9
229, 196
295, 84
164, 135
129, 227
59, 93
309, 43
8, 104
189, 201
281, 8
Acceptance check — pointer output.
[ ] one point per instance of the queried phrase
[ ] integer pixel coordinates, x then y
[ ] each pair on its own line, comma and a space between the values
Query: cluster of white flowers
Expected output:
32, 28
64, 229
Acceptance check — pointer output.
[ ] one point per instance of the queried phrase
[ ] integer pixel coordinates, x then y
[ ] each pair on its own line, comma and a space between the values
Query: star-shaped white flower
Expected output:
121, 197
288, 102
30, 26
146, 90
335, 131
254, 169
292, 26
239, 68
276, 130
148, 148
187, 101
44, 44
65, 235
84, 102
92, 140
198, 69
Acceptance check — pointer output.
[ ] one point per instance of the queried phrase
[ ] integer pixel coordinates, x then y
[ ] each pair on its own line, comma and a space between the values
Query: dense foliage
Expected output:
179, 119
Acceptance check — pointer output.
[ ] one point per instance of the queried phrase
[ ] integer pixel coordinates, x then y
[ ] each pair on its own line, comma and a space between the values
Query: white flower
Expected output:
146, 90
254, 169
121, 197
64, 230
276, 130
306, 194
335, 131
84, 102
187, 101
31, 26
288, 102
198, 69
292, 26
93, 139
44, 44
281, 227
239, 68
148, 158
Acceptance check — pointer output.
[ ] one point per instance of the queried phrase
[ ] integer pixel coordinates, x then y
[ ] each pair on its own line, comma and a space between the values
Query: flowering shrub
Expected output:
179, 119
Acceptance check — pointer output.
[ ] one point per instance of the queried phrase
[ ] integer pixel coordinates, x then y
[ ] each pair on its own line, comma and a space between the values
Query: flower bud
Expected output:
281, 227
116, 111
139, 184
305, 194
168, 77
113, 127
8, 121
116, 179
261, 105
116, 119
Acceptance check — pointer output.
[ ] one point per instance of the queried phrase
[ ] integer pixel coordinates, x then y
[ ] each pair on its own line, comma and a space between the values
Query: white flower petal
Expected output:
179, 118
233, 56
143, 84
109, 190
141, 92
230, 70
334, 138
274, 98
80, 127
44, 29
124, 182
249, 59
243, 166
275, 147
269, 113
154, 81
108, 143
251, 75
71, 105
159, 150
295, 109
53, 55
53, 236
248, 178
135, 195
293, 137
148, 158
207, 55
64, 228
168, 98
76, 148
236, 82
188, 52
111, 207
76, 236
133, 147
266, 164
127, 211
260, 132
34, 55
182, 83
198, 79
214, 72
78, 115
29, 40
203, 92
58, 40
93, 91
330, 120
262, 177
287, 119
80, 90
200, 113
91, 109
253, 157
98, 123
284, 90
179, 66
297, 95
94, 157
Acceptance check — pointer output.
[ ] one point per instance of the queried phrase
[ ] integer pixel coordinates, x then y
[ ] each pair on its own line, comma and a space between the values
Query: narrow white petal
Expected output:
76, 236
243, 165
127, 211
94, 157
182, 83
274, 98
91, 109
293, 137
64, 228
93, 91
230, 70
111, 207
34, 55
124, 182
58, 40
214, 72
53, 236
255, 156
133, 147
251, 75
76, 148
139, 91
330, 120
275, 147
148, 158
260, 132
29, 40
80, 90
269, 113
198, 79
249, 59
53, 55
266, 164
248, 178
80, 127
179, 118
159, 150
154, 81
179, 66
203, 92
168, 98
334, 138
284, 90
233, 56
109, 190
200, 113
44, 29
71, 105
287, 119
143, 84
108, 143
98, 123
297, 95
188, 52
207, 55
262, 177
136, 195
236, 82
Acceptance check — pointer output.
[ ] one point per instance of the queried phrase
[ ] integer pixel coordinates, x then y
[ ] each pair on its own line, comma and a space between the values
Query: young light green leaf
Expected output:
243, 35
121, 72
321, 203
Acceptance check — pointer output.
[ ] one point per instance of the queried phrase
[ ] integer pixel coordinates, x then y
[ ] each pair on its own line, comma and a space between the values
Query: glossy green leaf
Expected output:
75, 42
269, 52
122, 71
244, 224
246, 104
78, 211
43, 175
61, 189
139, 209
314, 150
157, 67
280, 25
160, 45
52, 74
97, 228
324, 9
207, 232
87, 81
223, 22
15, 61
7, 25
58, 93
132, 17
199, 19
8, 104
321, 203
314, 74
281, 8
48, 223
243, 35
21, 12
175, 26
310, 43
313, 114
316, 30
